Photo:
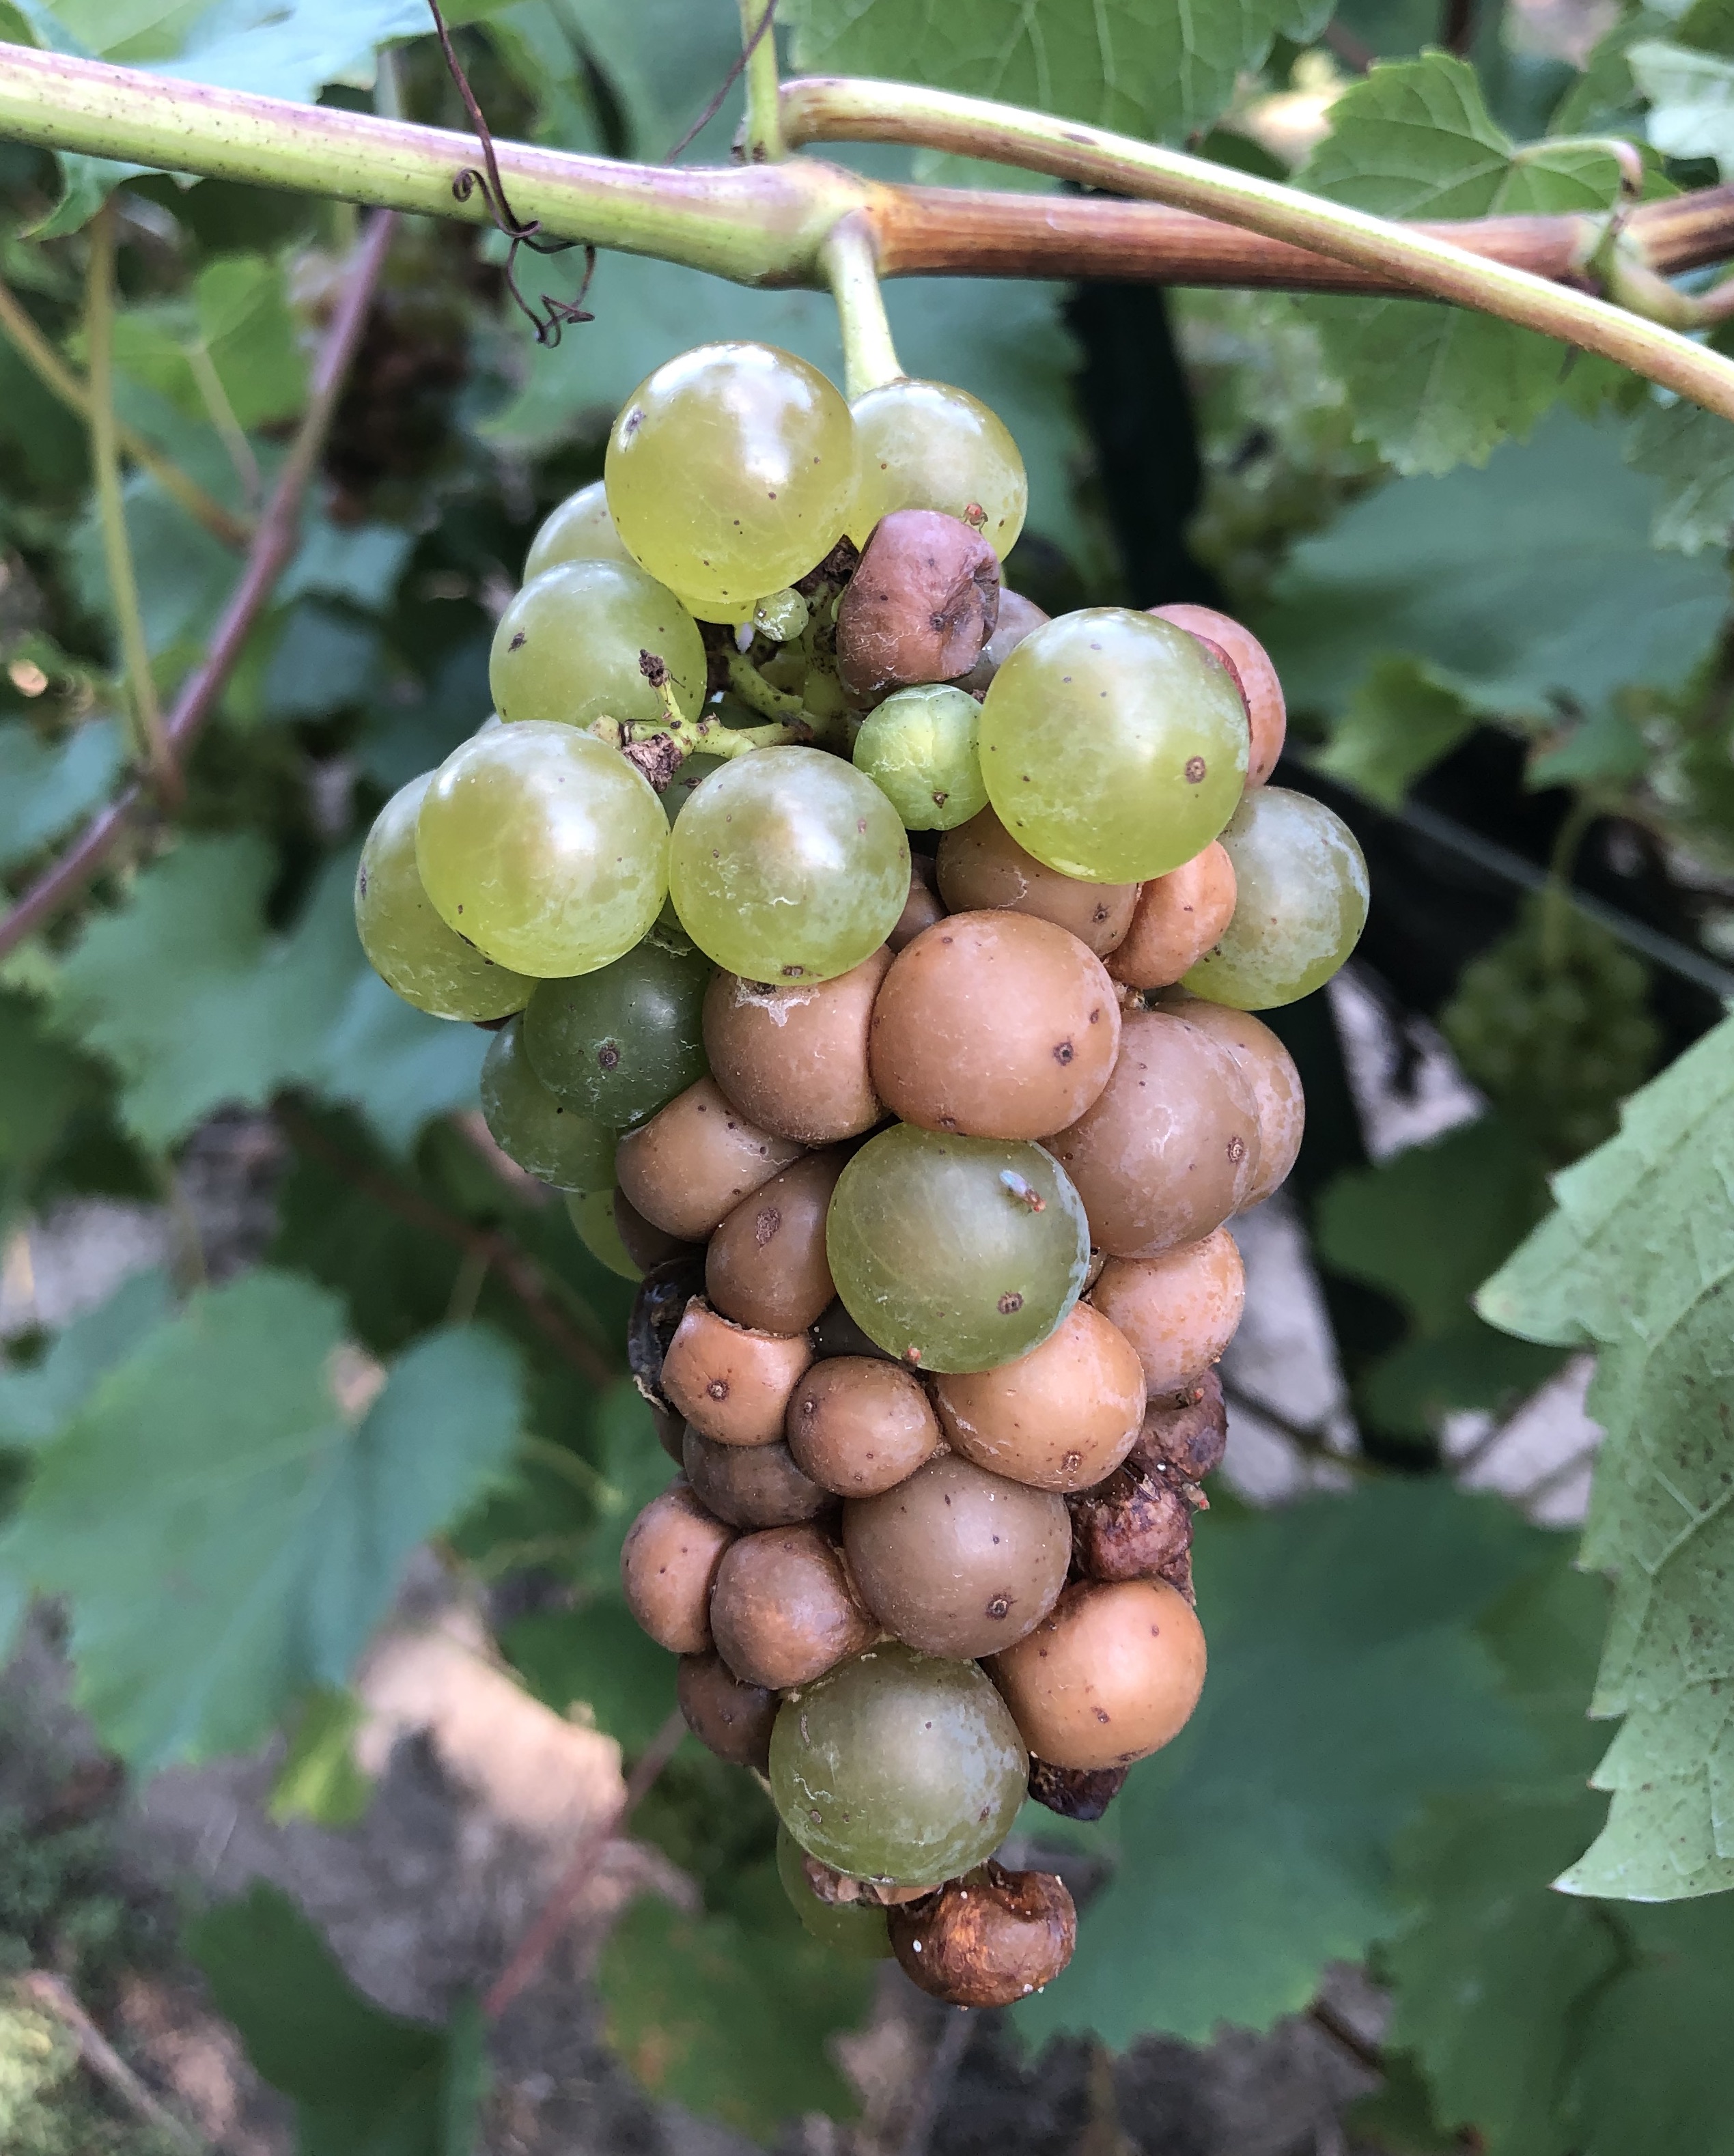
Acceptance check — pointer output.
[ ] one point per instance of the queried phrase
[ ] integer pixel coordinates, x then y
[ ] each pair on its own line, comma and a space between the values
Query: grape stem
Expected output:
762, 141
659, 750
851, 266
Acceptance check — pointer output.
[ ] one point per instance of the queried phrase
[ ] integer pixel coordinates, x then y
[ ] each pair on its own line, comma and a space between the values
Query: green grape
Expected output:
789, 865
567, 647
956, 1254
1553, 1024
925, 445
546, 849
898, 1767
919, 749
592, 1213
407, 944
1113, 746
856, 1929
1300, 905
580, 530
731, 471
548, 1141
619, 1043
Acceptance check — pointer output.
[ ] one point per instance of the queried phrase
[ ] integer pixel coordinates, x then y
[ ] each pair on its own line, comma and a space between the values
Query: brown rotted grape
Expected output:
1270, 1069
732, 1383
1136, 1526
921, 607
766, 1267
1061, 1417
1250, 663
988, 1939
1169, 1149
1078, 1793
728, 1717
796, 1058
1179, 1311
1179, 917
668, 1563
1186, 1430
657, 1308
980, 865
957, 1562
994, 1025
783, 1611
752, 1486
1110, 1677
859, 1426
692, 1163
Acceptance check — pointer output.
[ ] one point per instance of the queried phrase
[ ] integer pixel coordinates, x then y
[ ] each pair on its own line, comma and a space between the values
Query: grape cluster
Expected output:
924, 1159
1553, 1024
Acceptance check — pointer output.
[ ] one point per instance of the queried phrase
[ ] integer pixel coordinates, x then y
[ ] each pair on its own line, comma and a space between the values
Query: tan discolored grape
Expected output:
751, 1485
732, 1383
922, 907
956, 1561
994, 1025
728, 1717
667, 1563
1250, 663
1110, 1677
859, 1426
1018, 617
784, 1611
692, 1163
1169, 1150
921, 605
1179, 915
981, 865
1179, 1311
1059, 1418
766, 1265
1276, 1084
795, 1059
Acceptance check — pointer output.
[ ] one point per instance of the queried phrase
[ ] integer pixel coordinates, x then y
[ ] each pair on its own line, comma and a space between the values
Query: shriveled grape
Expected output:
1187, 1429
859, 1426
783, 1609
1303, 895
988, 1939
1059, 1418
692, 1163
766, 1265
1110, 1677
795, 1058
1114, 747
1266, 713
898, 1767
955, 1253
1172, 1145
619, 1044
956, 1561
544, 848
993, 1024
668, 1563
926, 445
567, 648
407, 944
729, 1382
981, 864
920, 608
751, 1485
1179, 917
1179, 1310
1270, 1069
1137, 1525
789, 865
1017, 616
546, 1139
733, 1719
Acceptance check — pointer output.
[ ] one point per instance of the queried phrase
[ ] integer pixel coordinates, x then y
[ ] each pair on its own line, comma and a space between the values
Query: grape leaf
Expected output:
1403, 717
1638, 1261
37, 1402
1436, 386
1691, 99
730, 2013
1691, 452
1347, 1686
663, 59
595, 1657
1529, 582
224, 1537
363, 2082
1145, 67
46, 1091
45, 787
319, 1779
237, 315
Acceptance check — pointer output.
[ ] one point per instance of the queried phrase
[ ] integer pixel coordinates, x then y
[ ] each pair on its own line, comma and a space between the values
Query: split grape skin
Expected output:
942, 1389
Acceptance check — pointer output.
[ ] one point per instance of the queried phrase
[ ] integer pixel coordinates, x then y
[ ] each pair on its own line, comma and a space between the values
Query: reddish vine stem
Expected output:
539, 1941
517, 1270
269, 555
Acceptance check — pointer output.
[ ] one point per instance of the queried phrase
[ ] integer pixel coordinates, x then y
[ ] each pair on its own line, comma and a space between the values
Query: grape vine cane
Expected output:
873, 961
